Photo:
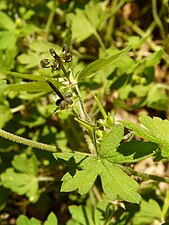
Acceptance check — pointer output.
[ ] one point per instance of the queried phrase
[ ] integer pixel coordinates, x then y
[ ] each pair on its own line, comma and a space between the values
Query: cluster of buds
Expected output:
57, 63
64, 99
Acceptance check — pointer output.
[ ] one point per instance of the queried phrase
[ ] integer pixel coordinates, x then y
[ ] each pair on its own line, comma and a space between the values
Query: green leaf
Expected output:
157, 99
7, 58
51, 220
21, 75
32, 87
31, 59
154, 58
155, 129
3, 197
5, 112
6, 22
21, 183
165, 207
28, 29
43, 46
148, 212
95, 14
7, 40
24, 220
24, 164
83, 171
116, 183
111, 141
81, 214
3, 85
82, 30
103, 211
133, 151
99, 64
82, 168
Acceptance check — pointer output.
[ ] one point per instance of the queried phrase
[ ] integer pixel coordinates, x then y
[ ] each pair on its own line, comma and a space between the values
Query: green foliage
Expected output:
110, 66
82, 167
24, 180
24, 220
155, 129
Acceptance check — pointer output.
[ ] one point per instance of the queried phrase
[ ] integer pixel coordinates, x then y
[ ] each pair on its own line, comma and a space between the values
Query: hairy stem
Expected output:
24, 141
145, 176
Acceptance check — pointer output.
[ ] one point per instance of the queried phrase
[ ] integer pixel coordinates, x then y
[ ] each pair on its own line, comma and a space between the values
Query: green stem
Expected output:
50, 19
146, 34
157, 19
113, 10
100, 41
145, 176
83, 114
100, 107
24, 141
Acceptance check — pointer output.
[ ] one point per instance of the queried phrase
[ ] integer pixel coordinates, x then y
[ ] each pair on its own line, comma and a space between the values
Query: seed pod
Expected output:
68, 95
63, 105
67, 57
45, 63
52, 52
65, 49
69, 101
55, 65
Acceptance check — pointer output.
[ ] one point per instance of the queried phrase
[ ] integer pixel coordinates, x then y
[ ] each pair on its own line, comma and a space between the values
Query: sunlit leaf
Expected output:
99, 64
6, 22
155, 129
21, 183
83, 171
81, 214
24, 220
23, 163
51, 220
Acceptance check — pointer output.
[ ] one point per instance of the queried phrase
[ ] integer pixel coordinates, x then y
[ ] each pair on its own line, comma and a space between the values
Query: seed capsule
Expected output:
45, 63
63, 105
69, 101
55, 65
52, 52
65, 49
68, 95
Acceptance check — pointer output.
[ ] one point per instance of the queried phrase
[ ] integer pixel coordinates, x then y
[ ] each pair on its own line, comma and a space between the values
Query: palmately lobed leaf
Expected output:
21, 183
81, 178
24, 164
83, 171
